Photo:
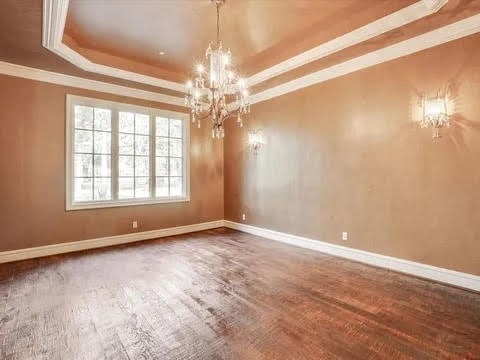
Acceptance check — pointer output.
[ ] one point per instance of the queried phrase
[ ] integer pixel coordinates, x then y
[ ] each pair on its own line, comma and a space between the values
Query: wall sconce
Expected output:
255, 140
434, 114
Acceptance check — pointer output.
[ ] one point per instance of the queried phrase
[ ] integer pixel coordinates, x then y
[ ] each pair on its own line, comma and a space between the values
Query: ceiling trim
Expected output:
430, 39
402, 17
54, 18
55, 14
82, 83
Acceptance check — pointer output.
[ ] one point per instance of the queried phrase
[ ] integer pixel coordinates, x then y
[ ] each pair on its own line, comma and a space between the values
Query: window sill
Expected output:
121, 203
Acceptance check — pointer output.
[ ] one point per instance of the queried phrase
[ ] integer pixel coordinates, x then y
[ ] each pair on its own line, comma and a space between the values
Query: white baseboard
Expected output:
456, 278
30, 253
442, 275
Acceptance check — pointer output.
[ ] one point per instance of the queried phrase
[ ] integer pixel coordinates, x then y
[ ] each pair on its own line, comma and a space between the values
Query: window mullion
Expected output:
134, 156
93, 156
114, 158
153, 157
168, 158
184, 156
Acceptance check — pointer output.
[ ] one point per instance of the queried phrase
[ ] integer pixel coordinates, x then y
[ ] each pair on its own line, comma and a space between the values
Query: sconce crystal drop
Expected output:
255, 140
434, 114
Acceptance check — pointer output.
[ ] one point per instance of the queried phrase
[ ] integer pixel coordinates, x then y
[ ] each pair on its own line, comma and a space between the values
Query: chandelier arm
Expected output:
207, 113
231, 113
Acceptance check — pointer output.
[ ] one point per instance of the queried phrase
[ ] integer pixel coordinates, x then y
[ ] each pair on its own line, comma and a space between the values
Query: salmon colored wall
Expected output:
32, 174
346, 155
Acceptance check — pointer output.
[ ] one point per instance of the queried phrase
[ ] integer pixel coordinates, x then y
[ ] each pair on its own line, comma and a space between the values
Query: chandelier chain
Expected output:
218, 23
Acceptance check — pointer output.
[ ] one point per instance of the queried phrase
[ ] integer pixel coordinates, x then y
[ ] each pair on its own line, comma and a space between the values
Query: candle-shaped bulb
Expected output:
213, 77
226, 59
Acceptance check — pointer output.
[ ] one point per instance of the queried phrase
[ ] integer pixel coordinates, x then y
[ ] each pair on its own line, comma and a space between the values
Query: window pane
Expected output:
125, 188
102, 165
83, 165
161, 126
109, 143
142, 144
126, 122
103, 119
162, 186
83, 117
125, 165
142, 124
161, 146
102, 142
83, 141
142, 167
102, 189
125, 144
83, 189
162, 166
175, 167
175, 128
176, 147
176, 186
142, 187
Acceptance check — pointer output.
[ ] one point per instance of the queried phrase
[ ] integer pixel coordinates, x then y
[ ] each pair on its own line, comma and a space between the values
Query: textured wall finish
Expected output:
346, 155
32, 174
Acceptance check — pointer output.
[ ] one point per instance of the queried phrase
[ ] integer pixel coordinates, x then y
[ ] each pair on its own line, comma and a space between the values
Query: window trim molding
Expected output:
72, 100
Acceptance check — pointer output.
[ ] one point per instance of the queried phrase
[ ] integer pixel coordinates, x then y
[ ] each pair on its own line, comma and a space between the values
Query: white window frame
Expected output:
116, 107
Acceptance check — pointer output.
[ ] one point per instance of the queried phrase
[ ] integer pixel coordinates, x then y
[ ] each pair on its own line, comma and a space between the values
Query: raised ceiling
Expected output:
280, 45
259, 32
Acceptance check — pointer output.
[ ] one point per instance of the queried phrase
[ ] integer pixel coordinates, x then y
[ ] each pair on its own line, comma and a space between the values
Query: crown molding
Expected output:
434, 5
390, 22
82, 83
430, 39
54, 17
55, 14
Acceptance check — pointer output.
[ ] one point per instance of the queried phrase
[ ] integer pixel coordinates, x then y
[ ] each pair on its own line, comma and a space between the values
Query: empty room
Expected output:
239, 179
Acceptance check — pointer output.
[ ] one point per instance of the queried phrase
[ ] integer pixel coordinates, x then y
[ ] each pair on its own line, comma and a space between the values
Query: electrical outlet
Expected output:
344, 236
134, 224
243, 217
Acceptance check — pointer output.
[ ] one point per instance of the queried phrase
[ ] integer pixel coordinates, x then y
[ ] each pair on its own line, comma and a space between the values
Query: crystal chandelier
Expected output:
434, 114
211, 90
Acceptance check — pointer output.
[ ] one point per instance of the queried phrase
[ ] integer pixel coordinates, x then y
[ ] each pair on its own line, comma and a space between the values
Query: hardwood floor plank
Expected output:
222, 294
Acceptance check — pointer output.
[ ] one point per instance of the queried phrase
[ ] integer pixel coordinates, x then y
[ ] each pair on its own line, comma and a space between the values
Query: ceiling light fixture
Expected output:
208, 94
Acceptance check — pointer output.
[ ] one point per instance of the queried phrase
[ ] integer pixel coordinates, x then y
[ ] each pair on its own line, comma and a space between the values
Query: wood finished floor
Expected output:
223, 294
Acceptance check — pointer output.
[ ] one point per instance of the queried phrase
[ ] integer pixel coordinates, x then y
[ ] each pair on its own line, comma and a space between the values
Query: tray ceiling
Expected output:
279, 45
260, 33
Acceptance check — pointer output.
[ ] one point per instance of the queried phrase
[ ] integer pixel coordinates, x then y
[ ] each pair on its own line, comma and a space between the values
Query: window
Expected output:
119, 154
